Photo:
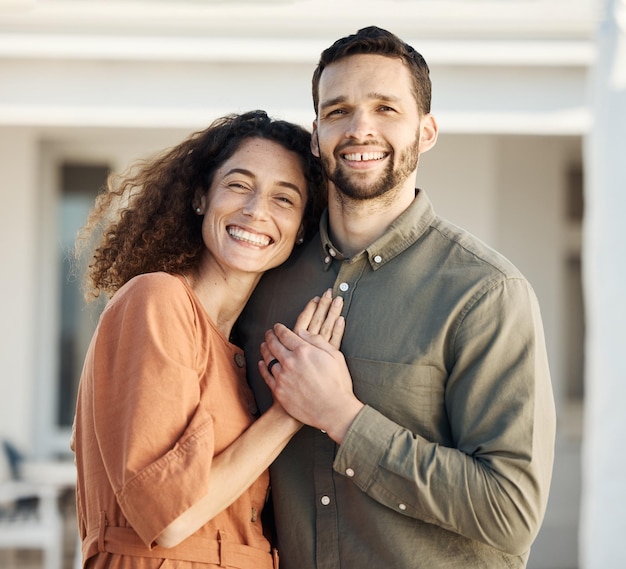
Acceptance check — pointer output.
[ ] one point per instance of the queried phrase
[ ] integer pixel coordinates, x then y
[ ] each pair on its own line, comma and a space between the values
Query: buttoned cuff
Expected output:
364, 446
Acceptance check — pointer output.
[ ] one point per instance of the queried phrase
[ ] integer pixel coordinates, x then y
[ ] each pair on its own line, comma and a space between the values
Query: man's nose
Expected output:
361, 125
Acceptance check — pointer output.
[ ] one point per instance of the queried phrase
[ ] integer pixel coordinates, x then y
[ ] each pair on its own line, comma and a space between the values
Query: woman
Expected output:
172, 466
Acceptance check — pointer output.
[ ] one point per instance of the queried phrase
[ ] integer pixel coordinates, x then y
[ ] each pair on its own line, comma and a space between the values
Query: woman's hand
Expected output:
322, 317
306, 371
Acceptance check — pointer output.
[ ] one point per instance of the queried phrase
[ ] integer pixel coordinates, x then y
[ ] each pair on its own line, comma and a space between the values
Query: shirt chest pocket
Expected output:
411, 395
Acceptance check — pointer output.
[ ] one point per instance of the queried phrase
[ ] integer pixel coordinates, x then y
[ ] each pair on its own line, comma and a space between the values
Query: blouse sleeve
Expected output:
155, 438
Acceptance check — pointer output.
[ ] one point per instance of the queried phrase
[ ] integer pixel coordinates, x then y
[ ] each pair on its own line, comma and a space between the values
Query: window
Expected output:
80, 184
574, 300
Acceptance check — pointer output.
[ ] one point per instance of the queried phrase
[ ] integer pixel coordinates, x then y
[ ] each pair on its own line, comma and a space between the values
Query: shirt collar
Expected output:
402, 233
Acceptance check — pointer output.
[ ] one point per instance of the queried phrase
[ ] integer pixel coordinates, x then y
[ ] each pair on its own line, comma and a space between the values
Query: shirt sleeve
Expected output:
492, 486
155, 438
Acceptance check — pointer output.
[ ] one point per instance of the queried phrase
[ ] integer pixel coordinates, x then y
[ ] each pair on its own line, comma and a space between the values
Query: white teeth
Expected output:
253, 238
362, 157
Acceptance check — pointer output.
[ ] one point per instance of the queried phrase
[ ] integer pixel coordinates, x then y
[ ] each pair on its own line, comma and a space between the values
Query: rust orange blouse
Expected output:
162, 391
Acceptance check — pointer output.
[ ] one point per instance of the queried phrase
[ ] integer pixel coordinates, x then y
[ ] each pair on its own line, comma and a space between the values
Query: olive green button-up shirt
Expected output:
449, 462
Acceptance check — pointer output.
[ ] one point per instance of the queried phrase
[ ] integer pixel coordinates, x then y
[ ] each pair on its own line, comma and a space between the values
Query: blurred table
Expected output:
59, 473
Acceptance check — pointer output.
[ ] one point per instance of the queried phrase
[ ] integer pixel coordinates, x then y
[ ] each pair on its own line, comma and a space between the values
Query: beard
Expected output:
354, 185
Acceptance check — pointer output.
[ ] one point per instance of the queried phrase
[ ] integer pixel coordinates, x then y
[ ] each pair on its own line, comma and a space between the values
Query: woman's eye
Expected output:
237, 186
285, 200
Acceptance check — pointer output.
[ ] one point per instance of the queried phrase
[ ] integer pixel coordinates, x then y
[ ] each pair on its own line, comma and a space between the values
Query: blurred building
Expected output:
86, 87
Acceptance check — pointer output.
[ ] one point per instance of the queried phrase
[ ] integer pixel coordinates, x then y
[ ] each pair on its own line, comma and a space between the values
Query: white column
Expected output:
20, 216
603, 516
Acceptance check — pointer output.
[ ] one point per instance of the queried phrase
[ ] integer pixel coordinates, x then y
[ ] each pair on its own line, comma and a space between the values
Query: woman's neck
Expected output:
222, 296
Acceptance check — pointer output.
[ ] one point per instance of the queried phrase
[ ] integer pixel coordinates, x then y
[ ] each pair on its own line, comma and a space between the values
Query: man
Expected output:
431, 444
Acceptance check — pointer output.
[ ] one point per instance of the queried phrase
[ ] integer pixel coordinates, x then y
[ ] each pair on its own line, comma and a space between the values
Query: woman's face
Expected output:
254, 208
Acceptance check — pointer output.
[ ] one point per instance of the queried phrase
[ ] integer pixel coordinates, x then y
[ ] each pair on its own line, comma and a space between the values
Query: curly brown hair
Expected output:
144, 221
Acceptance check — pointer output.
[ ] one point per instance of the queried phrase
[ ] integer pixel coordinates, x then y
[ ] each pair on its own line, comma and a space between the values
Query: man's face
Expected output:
367, 133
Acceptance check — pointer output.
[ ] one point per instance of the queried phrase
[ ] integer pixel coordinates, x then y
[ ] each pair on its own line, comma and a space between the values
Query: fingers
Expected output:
305, 317
332, 319
321, 315
266, 375
314, 314
337, 332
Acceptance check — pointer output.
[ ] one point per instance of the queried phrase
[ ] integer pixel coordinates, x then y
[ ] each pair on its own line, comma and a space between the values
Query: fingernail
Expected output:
329, 293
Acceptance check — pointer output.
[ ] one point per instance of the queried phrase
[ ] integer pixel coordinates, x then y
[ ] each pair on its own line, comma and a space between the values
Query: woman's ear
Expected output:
300, 236
199, 204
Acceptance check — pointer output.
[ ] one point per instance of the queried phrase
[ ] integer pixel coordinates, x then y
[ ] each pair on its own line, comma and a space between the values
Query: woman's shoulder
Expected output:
152, 282
158, 288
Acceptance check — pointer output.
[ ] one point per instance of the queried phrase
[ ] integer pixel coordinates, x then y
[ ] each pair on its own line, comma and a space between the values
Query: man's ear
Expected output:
428, 133
315, 141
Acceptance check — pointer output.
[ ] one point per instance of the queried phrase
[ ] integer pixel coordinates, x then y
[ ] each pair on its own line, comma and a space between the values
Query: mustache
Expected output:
349, 145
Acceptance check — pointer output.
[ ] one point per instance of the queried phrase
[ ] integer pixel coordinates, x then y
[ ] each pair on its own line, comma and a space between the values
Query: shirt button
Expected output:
378, 259
402, 507
343, 287
325, 500
327, 260
240, 360
332, 252
349, 472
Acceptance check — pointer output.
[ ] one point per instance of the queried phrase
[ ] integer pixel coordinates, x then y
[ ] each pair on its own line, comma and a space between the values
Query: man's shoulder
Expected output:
471, 250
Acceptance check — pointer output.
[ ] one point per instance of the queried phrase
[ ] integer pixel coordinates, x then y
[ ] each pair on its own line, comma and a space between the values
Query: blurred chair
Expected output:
29, 514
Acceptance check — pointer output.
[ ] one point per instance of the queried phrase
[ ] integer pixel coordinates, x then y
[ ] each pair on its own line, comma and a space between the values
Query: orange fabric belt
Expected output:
220, 552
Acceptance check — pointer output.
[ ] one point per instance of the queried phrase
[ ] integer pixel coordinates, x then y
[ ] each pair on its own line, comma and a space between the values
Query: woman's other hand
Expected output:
322, 316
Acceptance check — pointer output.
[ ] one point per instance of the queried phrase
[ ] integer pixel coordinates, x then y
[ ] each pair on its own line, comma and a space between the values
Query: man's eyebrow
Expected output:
374, 96
250, 174
334, 101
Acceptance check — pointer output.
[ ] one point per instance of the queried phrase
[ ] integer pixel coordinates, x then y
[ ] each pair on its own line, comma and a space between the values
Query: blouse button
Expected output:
325, 500
343, 287
240, 360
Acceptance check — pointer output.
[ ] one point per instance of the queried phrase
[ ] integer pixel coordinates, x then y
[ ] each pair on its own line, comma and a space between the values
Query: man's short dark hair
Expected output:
376, 41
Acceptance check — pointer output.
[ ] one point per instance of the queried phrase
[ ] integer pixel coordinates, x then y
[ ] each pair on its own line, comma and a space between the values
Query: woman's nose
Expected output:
256, 206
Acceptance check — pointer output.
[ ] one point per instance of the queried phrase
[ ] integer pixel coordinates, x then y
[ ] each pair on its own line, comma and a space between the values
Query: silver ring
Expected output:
271, 365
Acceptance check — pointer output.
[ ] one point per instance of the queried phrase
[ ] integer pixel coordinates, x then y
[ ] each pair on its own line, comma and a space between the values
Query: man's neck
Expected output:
355, 224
